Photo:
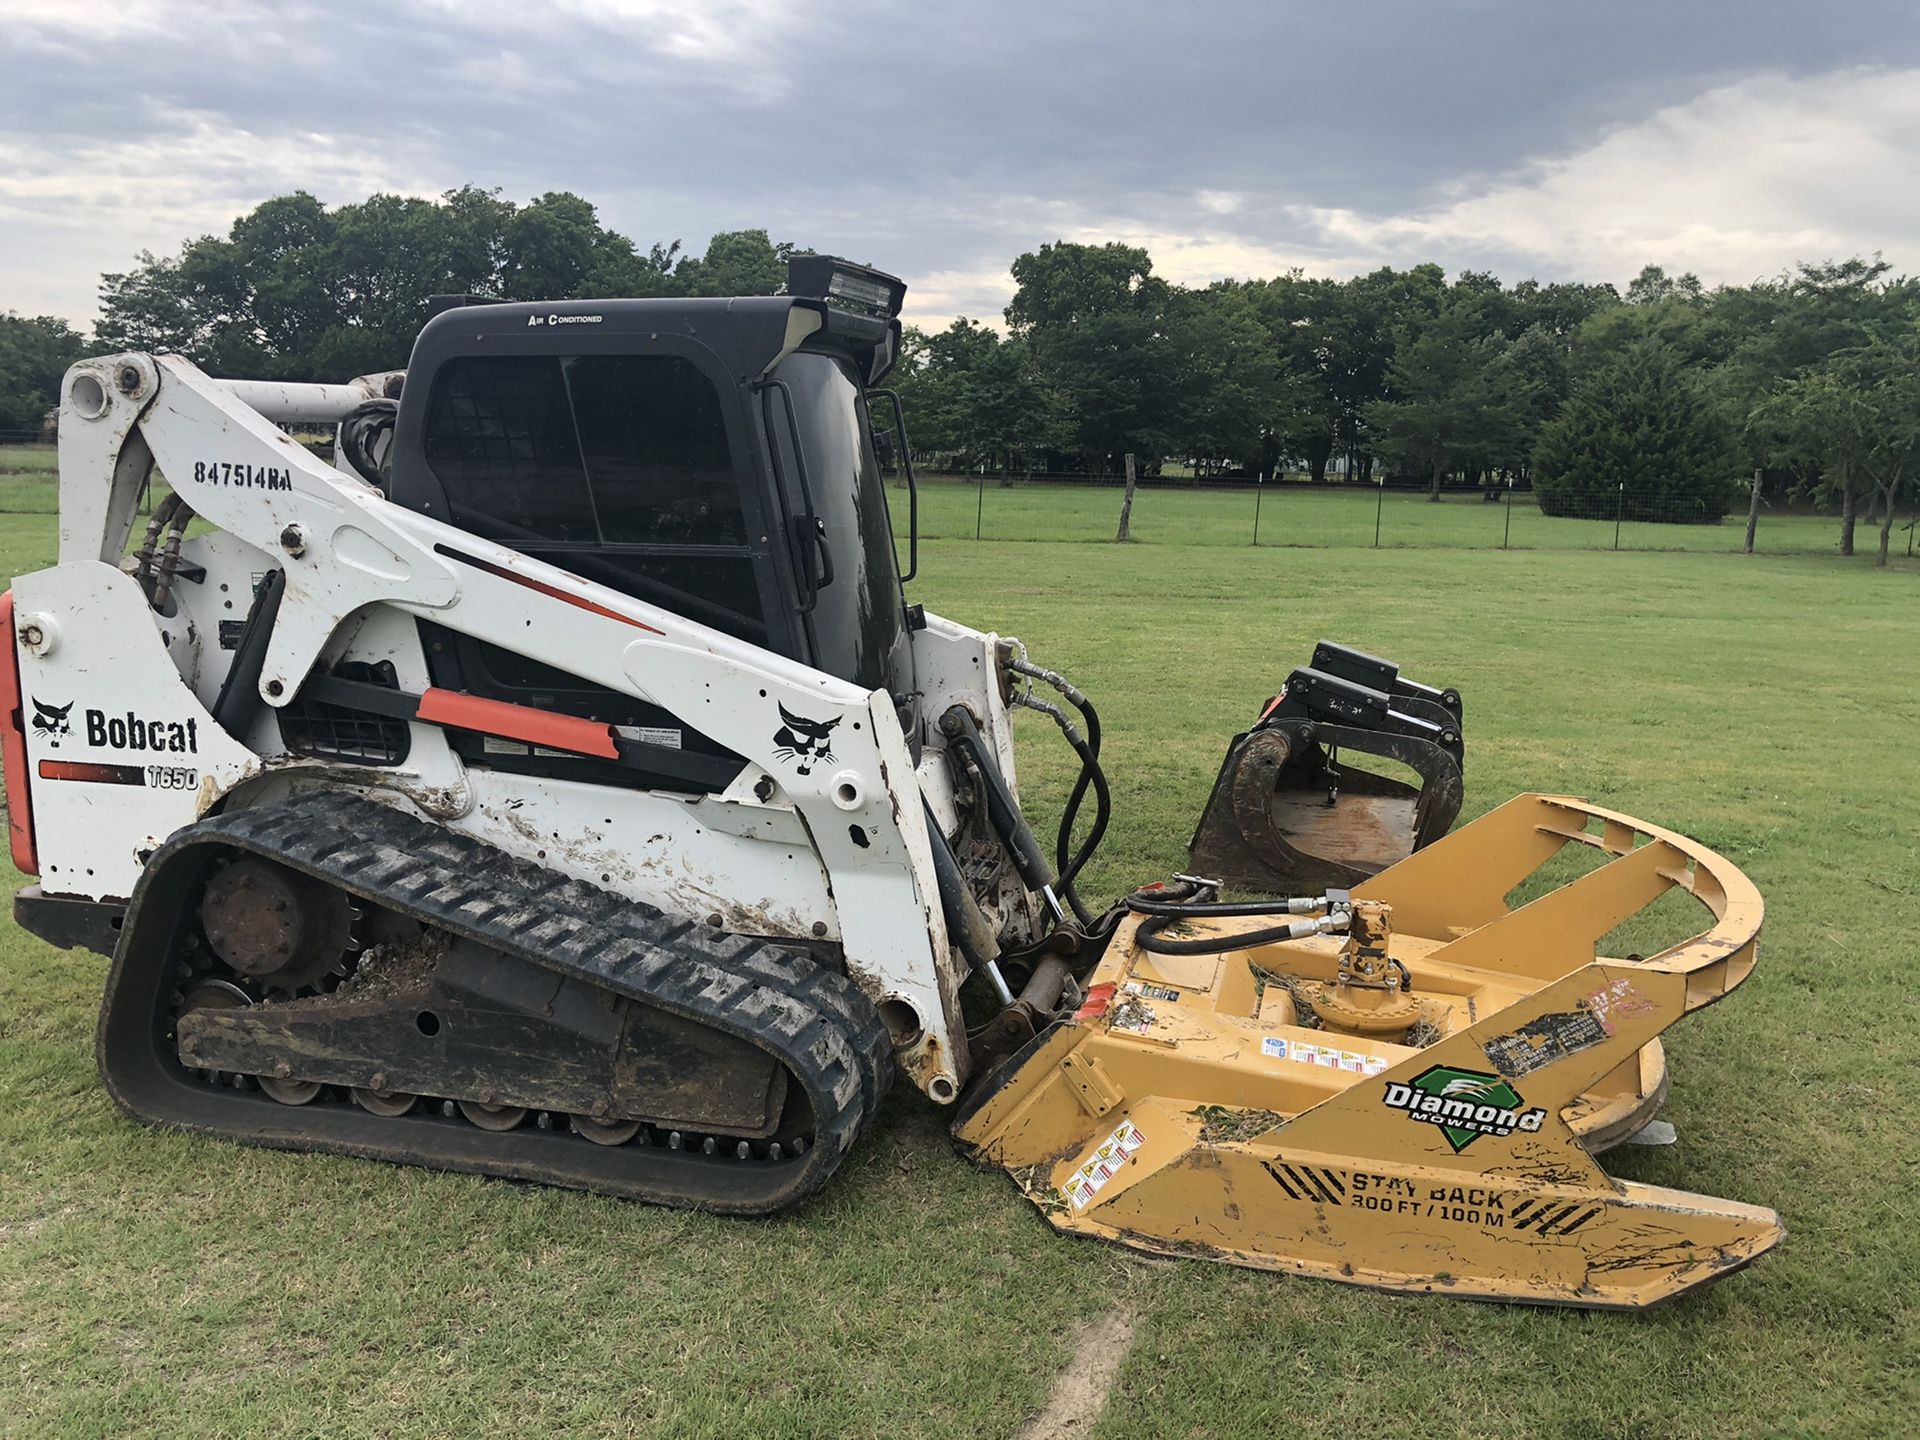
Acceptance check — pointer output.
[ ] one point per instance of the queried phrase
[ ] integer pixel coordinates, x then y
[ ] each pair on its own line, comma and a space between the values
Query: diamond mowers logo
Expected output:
1465, 1104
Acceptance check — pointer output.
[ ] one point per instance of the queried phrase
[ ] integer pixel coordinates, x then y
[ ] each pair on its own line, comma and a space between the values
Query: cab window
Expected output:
616, 467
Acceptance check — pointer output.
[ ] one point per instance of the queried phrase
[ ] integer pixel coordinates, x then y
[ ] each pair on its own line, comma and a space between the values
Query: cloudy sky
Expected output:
1529, 137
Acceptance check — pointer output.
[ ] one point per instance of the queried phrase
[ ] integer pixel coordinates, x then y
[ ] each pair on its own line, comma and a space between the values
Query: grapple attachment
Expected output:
1410, 1100
1292, 812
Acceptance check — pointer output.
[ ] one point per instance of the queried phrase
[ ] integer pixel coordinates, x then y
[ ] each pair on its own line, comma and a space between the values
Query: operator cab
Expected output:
714, 457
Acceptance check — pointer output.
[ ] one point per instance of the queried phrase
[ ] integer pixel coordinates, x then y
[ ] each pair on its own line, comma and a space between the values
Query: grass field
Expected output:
1294, 515
156, 1285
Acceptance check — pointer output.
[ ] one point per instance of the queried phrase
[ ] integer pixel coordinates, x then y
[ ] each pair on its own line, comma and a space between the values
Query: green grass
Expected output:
157, 1285
40, 460
1296, 514
29, 482
27, 474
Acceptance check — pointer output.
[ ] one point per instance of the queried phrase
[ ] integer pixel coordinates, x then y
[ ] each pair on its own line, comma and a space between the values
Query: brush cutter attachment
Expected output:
1403, 1087
1292, 812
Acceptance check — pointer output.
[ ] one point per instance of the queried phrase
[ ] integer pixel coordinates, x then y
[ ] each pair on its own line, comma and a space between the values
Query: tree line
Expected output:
1656, 404
1652, 402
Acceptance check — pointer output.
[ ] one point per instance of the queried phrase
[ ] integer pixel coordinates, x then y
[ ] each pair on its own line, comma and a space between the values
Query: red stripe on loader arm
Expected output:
554, 591
13, 748
518, 722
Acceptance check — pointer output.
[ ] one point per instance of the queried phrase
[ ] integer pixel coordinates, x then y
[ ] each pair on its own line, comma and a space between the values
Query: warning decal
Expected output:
1104, 1164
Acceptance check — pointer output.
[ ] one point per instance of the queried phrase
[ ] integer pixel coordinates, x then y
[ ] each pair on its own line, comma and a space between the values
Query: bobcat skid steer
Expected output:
558, 785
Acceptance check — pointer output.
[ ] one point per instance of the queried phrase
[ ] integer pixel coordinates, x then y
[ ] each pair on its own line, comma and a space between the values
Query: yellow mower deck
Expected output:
1187, 1110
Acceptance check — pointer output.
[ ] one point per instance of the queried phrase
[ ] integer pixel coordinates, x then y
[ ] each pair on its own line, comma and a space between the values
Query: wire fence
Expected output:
30, 472
1177, 511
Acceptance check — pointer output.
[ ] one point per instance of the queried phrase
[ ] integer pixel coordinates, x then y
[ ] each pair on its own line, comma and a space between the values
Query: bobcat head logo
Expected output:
807, 741
50, 722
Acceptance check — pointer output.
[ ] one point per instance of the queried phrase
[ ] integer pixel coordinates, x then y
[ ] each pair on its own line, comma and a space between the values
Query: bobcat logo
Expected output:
50, 722
808, 741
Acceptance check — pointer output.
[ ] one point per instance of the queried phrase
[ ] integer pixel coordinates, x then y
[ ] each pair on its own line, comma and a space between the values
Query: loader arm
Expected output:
345, 550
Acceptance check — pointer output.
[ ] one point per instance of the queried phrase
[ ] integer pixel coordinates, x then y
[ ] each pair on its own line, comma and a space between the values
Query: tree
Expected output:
557, 248
1558, 310
296, 290
1819, 427
1850, 426
1791, 330
34, 355
1640, 437
1294, 311
1454, 395
1096, 319
1370, 315
1888, 370
1537, 366
1232, 398
967, 391
1653, 286
737, 262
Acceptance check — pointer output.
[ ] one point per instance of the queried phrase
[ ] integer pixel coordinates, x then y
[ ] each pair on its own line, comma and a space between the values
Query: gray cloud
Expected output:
1234, 138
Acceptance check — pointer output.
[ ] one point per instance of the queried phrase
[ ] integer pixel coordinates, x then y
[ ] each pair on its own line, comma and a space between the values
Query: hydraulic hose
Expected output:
1148, 935
1081, 748
1171, 906
1092, 776
149, 545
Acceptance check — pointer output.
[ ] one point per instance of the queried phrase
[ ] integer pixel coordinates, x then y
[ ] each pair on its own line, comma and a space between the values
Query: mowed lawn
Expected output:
1297, 514
157, 1285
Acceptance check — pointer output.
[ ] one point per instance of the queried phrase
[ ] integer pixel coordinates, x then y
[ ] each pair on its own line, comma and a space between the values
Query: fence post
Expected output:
1753, 512
1619, 507
979, 503
1126, 506
1379, 499
1506, 533
1259, 484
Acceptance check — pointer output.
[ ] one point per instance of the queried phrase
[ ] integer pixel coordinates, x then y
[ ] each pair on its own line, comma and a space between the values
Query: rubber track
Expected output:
811, 1018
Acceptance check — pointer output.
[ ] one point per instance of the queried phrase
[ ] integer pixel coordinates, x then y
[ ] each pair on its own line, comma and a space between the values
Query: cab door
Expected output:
632, 470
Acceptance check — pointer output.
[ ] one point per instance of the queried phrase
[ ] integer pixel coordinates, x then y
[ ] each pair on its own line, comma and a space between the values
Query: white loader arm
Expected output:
344, 548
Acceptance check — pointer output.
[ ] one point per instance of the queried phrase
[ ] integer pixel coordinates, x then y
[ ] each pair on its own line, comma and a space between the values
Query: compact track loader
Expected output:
558, 785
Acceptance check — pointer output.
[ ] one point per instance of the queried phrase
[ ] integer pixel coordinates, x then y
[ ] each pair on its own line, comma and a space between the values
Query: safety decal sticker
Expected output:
1543, 1040
1152, 992
1480, 1206
1132, 1014
651, 735
1561, 1033
1304, 1182
494, 745
1464, 1104
1331, 1057
1616, 1000
1108, 1157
